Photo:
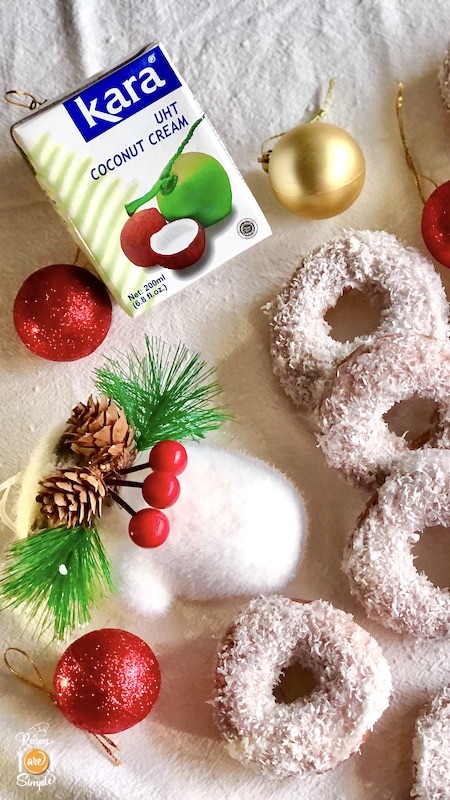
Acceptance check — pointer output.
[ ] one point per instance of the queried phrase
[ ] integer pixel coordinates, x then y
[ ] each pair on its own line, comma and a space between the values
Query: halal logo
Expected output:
247, 228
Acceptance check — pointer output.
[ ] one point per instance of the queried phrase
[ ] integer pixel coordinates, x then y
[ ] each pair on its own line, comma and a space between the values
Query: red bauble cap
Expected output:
62, 312
436, 224
168, 456
107, 681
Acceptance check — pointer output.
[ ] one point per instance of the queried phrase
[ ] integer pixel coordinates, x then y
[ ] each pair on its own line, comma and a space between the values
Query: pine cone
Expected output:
72, 497
99, 432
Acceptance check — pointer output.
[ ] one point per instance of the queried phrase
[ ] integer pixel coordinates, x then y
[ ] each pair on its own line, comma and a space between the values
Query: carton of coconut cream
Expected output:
142, 180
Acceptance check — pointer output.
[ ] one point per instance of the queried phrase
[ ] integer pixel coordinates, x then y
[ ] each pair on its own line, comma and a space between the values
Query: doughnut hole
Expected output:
352, 316
295, 681
413, 419
432, 555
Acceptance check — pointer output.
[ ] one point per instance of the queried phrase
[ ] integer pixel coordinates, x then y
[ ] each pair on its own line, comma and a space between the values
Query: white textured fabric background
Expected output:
256, 68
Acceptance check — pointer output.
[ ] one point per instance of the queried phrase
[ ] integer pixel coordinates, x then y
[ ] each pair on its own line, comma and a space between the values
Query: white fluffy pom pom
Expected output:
238, 528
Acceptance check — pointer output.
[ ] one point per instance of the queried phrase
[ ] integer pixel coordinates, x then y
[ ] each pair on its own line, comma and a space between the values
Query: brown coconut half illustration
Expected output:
136, 234
178, 244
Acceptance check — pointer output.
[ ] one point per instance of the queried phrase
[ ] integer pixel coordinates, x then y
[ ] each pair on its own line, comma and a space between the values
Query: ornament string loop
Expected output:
107, 741
408, 157
31, 102
323, 110
37, 685
80, 260
40, 684
264, 158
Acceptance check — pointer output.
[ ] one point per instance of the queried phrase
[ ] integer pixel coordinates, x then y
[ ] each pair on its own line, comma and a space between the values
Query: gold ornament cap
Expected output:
316, 170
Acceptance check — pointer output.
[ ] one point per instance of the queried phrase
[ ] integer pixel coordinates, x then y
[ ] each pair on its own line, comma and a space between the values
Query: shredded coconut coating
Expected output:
317, 732
354, 436
395, 278
432, 751
444, 80
379, 559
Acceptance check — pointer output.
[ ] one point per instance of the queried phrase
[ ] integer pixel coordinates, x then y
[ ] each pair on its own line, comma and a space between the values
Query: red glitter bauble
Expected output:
436, 224
168, 456
161, 489
107, 681
62, 312
149, 527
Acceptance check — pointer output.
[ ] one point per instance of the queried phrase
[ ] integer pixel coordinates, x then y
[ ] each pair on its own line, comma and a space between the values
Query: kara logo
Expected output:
121, 94
120, 98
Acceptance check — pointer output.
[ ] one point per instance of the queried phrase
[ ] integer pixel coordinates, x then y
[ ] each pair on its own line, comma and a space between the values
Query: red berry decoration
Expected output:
107, 681
62, 312
436, 224
161, 489
149, 527
168, 456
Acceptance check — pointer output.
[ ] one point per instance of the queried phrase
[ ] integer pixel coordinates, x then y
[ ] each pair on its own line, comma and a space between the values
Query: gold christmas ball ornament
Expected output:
316, 170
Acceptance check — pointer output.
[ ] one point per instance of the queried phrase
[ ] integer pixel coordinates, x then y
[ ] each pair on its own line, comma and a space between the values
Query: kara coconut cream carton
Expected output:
142, 180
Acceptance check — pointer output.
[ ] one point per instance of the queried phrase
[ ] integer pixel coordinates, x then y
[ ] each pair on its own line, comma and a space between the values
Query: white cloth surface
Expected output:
257, 68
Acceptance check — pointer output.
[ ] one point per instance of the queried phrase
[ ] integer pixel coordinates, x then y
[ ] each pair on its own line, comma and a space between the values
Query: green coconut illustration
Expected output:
193, 185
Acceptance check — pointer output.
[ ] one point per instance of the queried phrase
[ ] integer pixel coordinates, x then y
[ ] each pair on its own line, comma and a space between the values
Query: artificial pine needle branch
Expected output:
165, 394
59, 574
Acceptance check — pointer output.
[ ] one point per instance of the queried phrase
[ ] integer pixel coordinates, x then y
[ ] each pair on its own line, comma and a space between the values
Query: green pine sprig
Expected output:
165, 395
59, 574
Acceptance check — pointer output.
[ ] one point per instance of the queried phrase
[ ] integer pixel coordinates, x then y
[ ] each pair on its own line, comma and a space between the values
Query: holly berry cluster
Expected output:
150, 527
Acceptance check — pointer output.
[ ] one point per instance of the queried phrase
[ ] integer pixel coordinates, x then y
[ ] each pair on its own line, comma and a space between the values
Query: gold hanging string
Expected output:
104, 740
324, 108
264, 158
31, 103
408, 157
81, 260
113, 757
41, 683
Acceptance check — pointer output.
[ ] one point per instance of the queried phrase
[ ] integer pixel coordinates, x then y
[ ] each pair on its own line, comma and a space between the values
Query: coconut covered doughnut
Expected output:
431, 750
395, 278
379, 559
444, 80
314, 733
354, 435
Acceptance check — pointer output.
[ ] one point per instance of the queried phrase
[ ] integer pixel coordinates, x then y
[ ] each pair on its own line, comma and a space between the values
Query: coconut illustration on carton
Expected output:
193, 192
109, 502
